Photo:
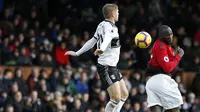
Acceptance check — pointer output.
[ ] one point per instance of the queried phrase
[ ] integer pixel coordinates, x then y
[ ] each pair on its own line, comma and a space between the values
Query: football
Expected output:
143, 39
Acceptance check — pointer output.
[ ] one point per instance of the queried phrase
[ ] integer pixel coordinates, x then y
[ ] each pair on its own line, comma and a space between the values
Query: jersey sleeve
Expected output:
96, 34
88, 45
108, 36
164, 62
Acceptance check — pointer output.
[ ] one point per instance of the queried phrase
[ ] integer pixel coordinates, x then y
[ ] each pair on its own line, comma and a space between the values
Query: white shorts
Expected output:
162, 90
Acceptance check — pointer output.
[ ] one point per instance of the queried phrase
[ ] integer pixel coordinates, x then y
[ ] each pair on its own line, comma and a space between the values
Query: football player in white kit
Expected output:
108, 49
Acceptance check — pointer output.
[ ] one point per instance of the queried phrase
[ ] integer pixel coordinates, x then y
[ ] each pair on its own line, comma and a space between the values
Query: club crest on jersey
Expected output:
112, 76
166, 59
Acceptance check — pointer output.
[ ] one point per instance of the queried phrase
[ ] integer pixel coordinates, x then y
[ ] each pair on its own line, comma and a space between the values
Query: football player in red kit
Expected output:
162, 90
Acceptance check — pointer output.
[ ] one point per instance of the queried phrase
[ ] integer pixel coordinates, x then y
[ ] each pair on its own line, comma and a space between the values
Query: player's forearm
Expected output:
88, 45
105, 43
170, 66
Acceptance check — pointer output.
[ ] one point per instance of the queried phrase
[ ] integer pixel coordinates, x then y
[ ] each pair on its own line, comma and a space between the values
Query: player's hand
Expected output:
71, 53
180, 52
98, 52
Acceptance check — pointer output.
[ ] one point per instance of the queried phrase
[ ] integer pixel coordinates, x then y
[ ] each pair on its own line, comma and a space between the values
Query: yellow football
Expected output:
143, 39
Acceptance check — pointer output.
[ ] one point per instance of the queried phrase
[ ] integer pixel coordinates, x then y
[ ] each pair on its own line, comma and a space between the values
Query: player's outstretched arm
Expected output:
164, 61
71, 53
88, 45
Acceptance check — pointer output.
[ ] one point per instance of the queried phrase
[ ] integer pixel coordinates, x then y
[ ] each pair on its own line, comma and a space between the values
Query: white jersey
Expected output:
107, 39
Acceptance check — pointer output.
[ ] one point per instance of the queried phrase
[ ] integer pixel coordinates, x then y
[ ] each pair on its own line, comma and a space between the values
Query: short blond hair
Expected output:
107, 10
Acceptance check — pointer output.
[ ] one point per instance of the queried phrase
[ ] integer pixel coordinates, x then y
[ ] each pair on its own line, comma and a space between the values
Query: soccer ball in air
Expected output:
142, 39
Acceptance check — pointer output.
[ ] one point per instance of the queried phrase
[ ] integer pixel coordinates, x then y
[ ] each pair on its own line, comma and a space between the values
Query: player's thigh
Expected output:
123, 89
114, 91
152, 98
110, 81
170, 95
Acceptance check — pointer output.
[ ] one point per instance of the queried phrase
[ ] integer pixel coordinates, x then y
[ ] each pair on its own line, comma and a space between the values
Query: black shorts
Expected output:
108, 74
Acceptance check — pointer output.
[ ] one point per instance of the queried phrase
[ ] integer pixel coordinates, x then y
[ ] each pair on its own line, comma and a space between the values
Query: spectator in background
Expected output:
60, 50
85, 101
180, 84
14, 45
18, 102
44, 59
33, 49
33, 79
133, 95
3, 97
82, 84
7, 79
68, 100
24, 58
14, 57
9, 108
11, 94
77, 106
136, 107
141, 93
127, 106
42, 89
54, 80
41, 37
36, 102
102, 98
21, 39
5, 50
47, 103
67, 85
18, 78
135, 79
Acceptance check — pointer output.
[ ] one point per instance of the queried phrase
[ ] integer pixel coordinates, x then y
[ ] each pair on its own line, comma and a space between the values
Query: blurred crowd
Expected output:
38, 33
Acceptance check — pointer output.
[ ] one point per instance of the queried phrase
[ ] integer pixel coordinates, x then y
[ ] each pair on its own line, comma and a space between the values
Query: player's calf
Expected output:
124, 95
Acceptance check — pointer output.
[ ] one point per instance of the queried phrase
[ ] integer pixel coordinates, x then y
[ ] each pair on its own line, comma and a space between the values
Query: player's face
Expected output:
169, 39
116, 14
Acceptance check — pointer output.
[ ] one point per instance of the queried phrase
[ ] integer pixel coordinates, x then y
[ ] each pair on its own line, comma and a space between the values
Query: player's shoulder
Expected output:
159, 44
107, 24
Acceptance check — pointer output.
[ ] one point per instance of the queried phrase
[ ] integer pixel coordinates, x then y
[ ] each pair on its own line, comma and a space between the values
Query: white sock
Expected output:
119, 105
110, 106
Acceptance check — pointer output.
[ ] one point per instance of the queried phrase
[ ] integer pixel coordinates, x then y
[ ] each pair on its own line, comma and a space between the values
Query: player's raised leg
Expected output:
124, 95
115, 97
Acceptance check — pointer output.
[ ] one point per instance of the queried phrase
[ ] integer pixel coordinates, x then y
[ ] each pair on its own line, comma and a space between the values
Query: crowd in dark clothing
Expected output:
38, 33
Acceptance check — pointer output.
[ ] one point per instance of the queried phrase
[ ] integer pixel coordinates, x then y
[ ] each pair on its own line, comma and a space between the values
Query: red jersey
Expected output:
163, 57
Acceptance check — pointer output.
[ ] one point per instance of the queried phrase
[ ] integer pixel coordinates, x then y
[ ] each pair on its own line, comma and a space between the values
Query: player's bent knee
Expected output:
124, 94
116, 97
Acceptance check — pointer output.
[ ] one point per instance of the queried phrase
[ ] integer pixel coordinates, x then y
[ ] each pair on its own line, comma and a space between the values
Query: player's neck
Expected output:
110, 20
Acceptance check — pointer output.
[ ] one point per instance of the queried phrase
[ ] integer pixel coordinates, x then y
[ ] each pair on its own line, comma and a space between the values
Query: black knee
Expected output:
156, 108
